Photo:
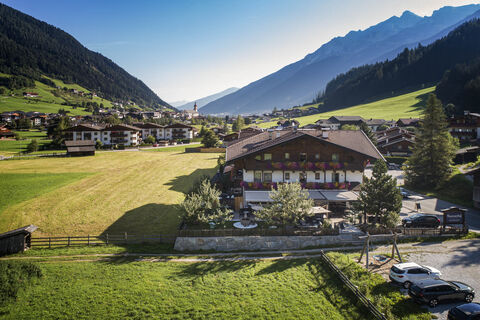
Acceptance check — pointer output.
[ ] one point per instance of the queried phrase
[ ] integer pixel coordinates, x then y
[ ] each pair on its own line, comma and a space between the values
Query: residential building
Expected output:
242, 134
151, 129
5, 133
120, 134
179, 131
290, 123
395, 141
465, 127
374, 124
408, 122
327, 163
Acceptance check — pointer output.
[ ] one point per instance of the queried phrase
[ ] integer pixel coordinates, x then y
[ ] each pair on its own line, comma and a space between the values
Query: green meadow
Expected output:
409, 105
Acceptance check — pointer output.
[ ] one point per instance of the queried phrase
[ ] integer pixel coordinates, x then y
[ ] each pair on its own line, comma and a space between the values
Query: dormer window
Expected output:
267, 156
335, 157
287, 156
303, 157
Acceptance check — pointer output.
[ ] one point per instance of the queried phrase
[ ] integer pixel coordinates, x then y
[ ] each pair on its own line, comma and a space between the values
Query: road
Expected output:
431, 205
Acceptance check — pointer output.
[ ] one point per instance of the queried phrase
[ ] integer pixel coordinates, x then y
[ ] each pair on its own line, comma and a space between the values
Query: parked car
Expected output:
436, 291
155, 145
405, 193
410, 272
420, 220
467, 311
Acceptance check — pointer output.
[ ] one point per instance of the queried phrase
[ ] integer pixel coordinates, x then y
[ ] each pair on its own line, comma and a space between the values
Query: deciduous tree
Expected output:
290, 204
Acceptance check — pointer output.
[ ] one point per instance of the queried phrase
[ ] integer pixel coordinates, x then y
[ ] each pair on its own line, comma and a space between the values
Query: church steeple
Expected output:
195, 107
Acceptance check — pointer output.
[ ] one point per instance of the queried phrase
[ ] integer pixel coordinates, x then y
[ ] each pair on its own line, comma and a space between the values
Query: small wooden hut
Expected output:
17, 240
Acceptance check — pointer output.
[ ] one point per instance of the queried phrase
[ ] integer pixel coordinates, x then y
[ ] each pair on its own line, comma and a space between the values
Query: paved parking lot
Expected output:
457, 260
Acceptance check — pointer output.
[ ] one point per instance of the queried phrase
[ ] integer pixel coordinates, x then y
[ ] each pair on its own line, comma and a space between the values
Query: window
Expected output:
287, 155
303, 157
335, 177
286, 176
303, 177
317, 175
267, 177
259, 157
257, 176
267, 156
334, 156
317, 156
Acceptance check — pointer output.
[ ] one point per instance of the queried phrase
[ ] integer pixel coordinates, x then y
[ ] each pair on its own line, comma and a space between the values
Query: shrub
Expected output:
13, 276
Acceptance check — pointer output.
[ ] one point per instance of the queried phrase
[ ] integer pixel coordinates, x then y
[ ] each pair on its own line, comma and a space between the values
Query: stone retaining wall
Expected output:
259, 242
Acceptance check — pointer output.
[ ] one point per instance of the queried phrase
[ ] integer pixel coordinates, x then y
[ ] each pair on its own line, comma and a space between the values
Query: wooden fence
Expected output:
256, 232
363, 299
417, 231
120, 239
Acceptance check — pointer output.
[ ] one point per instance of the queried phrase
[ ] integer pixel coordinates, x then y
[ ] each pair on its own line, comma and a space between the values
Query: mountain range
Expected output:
415, 68
32, 48
301, 81
203, 101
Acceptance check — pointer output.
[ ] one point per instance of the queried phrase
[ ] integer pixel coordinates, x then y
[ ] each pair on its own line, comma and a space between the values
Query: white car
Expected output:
410, 272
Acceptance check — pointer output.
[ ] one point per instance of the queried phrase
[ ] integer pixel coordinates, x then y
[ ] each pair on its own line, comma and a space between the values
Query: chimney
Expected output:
195, 107
270, 134
325, 134
277, 134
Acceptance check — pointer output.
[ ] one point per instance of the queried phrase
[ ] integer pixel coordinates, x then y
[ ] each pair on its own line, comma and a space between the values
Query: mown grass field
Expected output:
296, 289
408, 105
10, 147
114, 192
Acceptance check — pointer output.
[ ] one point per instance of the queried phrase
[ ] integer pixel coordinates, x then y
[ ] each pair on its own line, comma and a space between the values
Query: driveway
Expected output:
457, 260
431, 205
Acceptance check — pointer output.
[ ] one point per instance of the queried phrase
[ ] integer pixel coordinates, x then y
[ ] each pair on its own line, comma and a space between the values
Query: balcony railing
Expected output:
305, 165
305, 185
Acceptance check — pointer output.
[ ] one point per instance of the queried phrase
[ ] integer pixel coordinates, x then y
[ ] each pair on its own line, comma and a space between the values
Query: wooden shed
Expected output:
80, 148
17, 240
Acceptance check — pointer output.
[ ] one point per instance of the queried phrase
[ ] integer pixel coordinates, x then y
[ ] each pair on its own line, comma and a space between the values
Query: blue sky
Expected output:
185, 49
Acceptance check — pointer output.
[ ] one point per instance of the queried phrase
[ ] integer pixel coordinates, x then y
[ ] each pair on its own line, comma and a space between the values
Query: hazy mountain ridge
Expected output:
299, 82
205, 100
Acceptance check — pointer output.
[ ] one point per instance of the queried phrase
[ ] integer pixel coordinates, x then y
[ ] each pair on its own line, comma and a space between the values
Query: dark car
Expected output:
434, 292
467, 311
420, 220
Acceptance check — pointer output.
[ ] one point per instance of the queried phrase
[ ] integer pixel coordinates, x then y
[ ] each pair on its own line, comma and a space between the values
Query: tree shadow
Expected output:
420, 105
185, 182
200, 269
281, 265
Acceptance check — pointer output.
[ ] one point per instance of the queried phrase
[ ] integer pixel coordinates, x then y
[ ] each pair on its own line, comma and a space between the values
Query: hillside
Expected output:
299, 82
461, 86
205, 100
32, 48
409, 105
411, 68
50, 99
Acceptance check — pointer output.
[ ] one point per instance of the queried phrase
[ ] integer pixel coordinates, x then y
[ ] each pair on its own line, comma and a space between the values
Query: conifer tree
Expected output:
429, 165
379, 196
368, 132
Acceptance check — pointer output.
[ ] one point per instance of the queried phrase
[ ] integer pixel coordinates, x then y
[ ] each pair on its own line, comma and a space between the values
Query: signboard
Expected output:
454, 216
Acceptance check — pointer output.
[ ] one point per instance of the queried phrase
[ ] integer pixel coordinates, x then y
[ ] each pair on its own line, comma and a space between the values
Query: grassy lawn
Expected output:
114, 192
384, 296
10, 147
408, 105
179, 148
295, 289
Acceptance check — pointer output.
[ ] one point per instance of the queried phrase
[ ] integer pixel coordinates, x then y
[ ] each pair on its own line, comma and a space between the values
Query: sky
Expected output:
188, 49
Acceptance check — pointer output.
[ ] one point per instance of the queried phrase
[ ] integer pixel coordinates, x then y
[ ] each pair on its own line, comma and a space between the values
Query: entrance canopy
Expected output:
328, 195
340, 195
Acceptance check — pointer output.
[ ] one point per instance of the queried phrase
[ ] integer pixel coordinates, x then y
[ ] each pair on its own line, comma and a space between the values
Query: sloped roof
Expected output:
354, 140
86, 127
179, 125
346, 118
27, 229
148, 125
78, 143
122, 127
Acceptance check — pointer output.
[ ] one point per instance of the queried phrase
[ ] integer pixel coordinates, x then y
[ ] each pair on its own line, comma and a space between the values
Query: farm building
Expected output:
17, 240
80, 148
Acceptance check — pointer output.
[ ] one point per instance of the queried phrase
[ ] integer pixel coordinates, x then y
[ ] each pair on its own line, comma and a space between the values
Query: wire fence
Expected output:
360, 295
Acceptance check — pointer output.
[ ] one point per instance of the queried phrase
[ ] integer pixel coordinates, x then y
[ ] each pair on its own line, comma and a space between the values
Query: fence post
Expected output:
68, 241
126, 238
88, 240
107, 238
49, 242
